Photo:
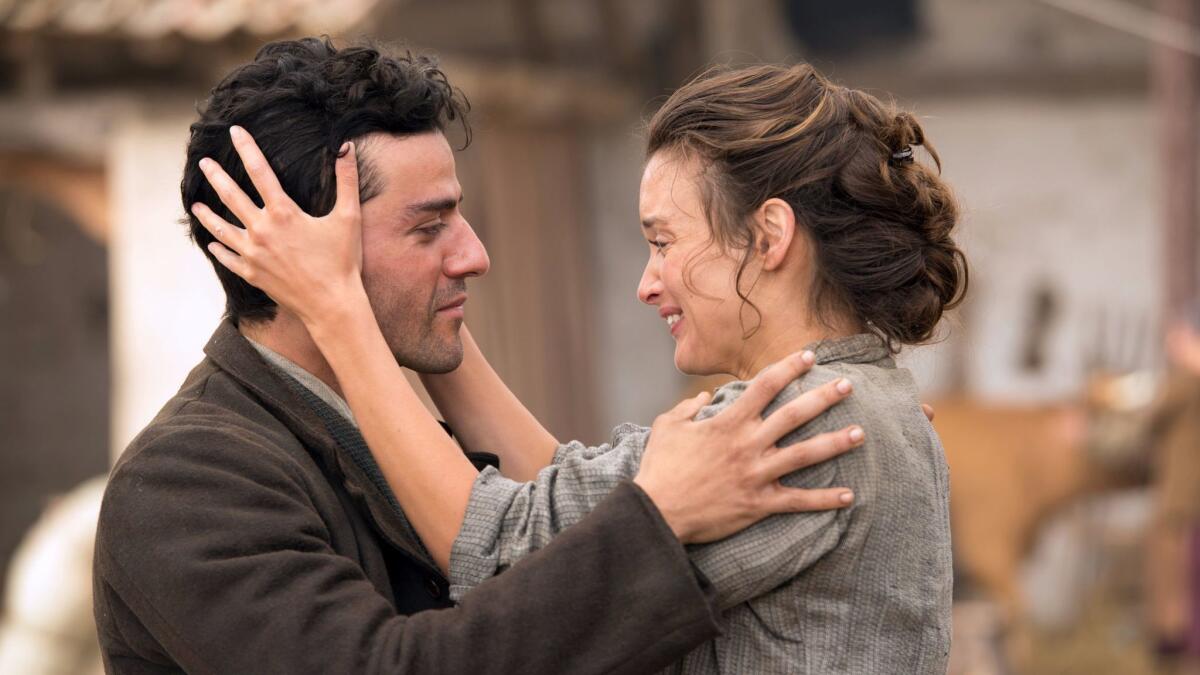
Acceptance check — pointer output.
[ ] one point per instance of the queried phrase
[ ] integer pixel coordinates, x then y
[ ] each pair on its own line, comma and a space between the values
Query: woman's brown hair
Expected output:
879, 222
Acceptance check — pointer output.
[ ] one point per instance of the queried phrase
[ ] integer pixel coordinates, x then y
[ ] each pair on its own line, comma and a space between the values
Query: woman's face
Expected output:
702, 314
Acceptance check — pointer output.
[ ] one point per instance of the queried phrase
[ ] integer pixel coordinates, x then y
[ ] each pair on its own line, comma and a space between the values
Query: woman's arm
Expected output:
709, 478
432, 486
487, 417
506, 520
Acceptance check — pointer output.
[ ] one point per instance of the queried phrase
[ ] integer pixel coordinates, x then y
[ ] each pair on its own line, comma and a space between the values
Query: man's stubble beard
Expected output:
428, 344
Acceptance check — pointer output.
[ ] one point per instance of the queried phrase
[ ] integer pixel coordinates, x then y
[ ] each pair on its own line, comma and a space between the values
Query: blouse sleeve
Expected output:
507, 520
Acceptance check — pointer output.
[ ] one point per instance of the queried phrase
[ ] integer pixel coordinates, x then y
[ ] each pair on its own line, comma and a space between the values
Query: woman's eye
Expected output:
660, 246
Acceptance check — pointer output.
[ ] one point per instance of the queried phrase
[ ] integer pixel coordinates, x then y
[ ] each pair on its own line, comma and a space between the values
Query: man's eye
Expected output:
431, 229
659, 245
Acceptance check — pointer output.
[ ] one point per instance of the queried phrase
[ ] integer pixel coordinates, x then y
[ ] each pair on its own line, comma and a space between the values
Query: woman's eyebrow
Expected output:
653, 221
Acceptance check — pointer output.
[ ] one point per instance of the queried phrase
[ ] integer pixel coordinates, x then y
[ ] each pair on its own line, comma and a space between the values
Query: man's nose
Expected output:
469, 258
650, 286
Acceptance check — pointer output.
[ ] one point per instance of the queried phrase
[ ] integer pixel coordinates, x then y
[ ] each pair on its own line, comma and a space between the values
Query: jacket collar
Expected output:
234, 355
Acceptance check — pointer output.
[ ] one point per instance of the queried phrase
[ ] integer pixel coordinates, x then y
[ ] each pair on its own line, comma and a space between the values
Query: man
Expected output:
248, 527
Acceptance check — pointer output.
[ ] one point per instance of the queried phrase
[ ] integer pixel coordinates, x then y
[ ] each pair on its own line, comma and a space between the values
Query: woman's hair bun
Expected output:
912, 271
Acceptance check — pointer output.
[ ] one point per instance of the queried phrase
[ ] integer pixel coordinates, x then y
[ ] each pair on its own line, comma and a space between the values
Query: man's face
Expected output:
418, 250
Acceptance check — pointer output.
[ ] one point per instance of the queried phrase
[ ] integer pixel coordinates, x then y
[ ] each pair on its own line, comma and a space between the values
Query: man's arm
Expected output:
219, 553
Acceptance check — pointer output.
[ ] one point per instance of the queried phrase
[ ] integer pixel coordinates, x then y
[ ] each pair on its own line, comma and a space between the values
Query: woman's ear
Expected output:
777, 227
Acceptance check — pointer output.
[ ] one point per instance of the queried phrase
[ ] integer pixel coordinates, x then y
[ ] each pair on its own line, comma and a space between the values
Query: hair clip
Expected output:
904, 156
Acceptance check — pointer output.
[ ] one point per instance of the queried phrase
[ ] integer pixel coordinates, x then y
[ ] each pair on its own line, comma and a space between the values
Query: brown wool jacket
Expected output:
236, 536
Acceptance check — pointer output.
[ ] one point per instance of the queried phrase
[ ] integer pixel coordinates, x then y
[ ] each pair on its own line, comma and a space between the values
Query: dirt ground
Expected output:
1108, 641
1107, 638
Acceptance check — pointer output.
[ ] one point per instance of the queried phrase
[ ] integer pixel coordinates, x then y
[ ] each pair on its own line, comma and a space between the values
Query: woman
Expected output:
780, 211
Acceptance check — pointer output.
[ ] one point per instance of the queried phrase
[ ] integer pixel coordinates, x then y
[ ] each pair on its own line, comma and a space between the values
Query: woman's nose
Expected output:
650, 286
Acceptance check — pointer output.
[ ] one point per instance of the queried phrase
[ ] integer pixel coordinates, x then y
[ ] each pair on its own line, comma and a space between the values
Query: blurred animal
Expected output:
1012, 467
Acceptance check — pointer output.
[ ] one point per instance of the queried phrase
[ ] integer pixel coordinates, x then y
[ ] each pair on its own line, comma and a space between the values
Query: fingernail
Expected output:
236, 132
844, 386
808, 357
856, 434
846, 497
205, 163
344, 150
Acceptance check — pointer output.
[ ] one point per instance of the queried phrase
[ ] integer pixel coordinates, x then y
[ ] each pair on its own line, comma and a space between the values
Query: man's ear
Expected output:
777, 229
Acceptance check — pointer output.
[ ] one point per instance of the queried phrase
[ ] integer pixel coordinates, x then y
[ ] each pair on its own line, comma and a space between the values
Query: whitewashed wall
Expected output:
1060, 192
634, 356
166, 300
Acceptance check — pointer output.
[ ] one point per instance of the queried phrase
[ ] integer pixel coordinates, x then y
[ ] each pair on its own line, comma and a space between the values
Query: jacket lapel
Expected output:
333, 445
363, 467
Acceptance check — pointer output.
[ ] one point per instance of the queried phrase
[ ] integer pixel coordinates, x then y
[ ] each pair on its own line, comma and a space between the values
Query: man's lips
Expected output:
454, 306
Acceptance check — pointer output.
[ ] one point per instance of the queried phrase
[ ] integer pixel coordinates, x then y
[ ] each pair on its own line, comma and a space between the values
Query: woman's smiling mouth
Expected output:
673, 316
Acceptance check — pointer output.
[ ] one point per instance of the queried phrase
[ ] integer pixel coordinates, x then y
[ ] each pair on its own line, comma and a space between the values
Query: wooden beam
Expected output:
531, 29
622, 54
1175, 74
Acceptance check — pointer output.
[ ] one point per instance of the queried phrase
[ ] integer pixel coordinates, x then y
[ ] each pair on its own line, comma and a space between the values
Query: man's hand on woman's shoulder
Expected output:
713, 477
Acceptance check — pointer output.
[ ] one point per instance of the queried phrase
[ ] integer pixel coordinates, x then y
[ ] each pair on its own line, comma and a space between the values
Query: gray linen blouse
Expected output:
865, 589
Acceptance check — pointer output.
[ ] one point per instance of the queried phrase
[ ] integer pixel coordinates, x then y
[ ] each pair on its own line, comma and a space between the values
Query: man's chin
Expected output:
442, 367
443, 359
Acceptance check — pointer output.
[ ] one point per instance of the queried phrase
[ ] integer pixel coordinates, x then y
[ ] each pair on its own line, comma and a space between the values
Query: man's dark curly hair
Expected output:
301, 99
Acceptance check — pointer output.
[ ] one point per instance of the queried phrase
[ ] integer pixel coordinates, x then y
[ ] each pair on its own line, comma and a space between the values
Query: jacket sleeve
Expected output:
223, 559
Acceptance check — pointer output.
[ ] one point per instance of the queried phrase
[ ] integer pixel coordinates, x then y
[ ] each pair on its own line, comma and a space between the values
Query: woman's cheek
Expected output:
670, 276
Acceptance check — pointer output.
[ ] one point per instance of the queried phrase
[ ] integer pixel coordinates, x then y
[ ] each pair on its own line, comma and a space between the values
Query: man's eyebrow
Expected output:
434, 205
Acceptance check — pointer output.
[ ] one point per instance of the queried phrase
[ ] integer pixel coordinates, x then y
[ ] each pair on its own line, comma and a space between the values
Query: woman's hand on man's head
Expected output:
714, 477
310, 265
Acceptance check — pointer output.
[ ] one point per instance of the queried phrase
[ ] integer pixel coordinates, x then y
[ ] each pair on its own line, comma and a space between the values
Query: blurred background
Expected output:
1067, 388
